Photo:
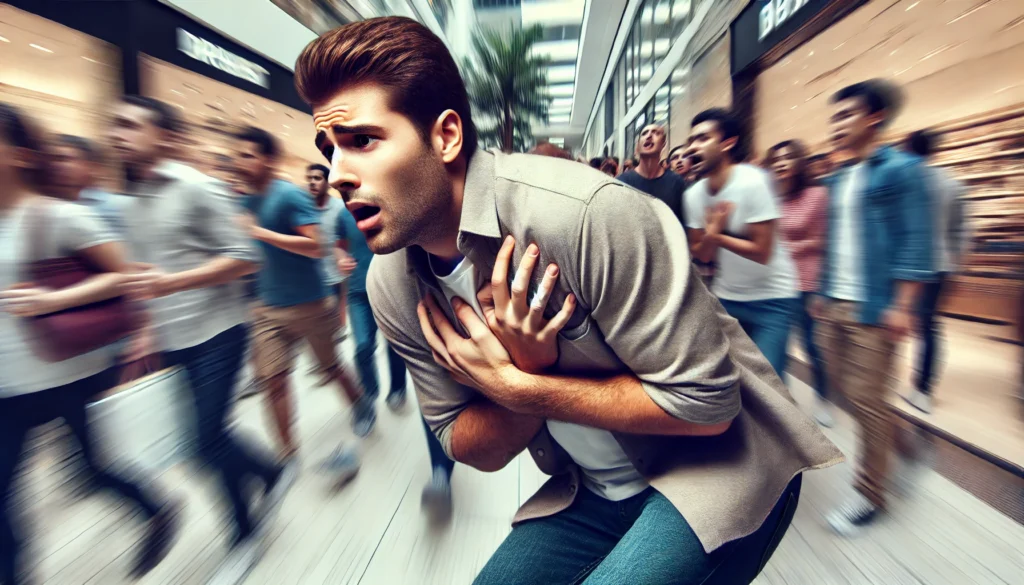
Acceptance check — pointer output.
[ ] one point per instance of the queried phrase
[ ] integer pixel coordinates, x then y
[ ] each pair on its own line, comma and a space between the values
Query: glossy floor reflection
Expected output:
372, 531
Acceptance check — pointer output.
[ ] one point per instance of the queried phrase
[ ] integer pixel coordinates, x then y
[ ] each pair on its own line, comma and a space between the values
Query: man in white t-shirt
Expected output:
731, 216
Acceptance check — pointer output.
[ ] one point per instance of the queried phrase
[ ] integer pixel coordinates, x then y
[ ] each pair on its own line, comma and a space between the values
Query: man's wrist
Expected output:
170, 284
517, 389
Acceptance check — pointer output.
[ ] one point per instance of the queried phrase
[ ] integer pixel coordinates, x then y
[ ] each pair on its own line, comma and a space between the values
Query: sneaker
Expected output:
848, 519
396, 400
823, 414
364, 416
161, 533
342, 465
276, 490
437, 495
919, 400
241, 560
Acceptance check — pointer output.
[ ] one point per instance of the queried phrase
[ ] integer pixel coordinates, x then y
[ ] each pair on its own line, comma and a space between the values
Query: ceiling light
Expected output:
176, 92
287, 126
90, 60
911, 7
839, 46
811, 54
4, 40
40, 48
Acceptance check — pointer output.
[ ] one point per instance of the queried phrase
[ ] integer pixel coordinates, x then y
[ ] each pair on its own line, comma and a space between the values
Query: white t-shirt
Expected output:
71, 228
847, 279
329, 238
606, 469
750, 190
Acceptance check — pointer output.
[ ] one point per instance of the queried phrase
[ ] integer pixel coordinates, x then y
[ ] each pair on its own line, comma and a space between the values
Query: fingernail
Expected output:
553, 270
533, 250
572, 298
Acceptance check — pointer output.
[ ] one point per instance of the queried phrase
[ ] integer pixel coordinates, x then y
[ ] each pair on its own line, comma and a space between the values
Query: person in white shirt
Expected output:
952, 237
731, 216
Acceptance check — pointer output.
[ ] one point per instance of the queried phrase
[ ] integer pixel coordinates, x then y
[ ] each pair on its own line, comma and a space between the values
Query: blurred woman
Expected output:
802, 228
34, 391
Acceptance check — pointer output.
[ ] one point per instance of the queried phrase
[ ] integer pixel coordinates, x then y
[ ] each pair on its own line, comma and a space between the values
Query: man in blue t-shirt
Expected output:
354, 258
294, 302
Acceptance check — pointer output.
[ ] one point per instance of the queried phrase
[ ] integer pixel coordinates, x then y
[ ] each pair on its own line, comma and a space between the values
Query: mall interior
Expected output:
613, 68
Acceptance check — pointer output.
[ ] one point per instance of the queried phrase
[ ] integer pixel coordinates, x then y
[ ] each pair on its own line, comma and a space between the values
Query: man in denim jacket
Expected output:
878, 257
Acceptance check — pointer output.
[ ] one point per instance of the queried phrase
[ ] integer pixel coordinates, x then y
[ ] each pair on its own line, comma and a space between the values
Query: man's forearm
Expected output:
705, 249
488, 436
617, 404
218, 271
746, 248
300, 245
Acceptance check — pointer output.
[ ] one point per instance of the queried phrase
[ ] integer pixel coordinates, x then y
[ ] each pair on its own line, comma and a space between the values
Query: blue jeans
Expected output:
767, 323
212, 368
642, 539
806, 323
365, 328
929, 331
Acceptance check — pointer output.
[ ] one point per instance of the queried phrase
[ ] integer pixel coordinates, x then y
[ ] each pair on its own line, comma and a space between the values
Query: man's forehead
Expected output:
339, 112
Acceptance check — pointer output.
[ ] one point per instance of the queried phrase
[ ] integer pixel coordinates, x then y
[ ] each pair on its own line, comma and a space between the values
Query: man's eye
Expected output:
363, 140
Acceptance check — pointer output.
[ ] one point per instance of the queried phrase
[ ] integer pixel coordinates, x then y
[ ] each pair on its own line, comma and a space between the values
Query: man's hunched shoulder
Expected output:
558, 176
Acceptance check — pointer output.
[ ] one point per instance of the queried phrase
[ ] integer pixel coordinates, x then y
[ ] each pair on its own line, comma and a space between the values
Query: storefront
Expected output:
66, 62
955, 63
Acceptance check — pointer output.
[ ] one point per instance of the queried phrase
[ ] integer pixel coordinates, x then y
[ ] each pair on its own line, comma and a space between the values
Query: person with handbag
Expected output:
56, 341
182, 225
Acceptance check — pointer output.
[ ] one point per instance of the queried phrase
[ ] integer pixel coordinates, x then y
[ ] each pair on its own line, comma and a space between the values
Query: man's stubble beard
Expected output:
420, 212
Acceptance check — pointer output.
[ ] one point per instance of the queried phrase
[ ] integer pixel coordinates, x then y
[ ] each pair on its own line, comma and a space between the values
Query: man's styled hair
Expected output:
921, 142
319, 167
548, 149
398, 53
86, 149
674, 149
728, 126
163, 115
595, 162
267, 144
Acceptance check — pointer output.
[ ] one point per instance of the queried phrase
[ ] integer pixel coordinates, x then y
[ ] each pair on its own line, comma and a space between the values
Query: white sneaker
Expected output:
823, 414
241, 560
848, 519
919, 400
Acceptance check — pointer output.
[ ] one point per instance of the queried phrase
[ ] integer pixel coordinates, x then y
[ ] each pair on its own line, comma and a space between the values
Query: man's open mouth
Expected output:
361, 211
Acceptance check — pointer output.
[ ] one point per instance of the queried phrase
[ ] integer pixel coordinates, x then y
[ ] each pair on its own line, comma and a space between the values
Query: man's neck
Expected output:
864, 149
650, 168
446, 247
11, 194
260, 186
321, 200
720, 176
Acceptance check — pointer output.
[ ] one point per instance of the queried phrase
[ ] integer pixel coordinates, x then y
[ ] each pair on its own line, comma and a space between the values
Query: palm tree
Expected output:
506, 83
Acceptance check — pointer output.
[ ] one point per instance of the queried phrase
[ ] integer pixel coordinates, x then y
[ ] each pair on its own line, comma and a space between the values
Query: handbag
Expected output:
146, 423
77, 330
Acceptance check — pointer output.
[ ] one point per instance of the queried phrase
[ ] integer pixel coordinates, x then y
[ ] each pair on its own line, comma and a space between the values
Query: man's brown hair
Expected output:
398, 53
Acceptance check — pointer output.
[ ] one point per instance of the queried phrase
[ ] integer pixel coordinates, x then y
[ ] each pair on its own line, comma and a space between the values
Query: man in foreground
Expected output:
627, 388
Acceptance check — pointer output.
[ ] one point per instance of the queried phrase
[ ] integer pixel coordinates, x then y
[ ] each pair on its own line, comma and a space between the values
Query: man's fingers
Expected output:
521, 284
562, 317
469, 319
499, 275
440, 321
540, 298
437, 346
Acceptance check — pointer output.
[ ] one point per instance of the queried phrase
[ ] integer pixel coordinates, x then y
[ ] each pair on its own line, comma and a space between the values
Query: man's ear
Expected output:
729, 144
446, 135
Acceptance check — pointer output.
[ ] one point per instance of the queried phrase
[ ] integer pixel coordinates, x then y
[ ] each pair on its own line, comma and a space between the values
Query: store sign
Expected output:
203, 50
775, 13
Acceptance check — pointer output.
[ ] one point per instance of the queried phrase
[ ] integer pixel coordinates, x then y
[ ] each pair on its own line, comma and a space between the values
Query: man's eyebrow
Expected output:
357, 129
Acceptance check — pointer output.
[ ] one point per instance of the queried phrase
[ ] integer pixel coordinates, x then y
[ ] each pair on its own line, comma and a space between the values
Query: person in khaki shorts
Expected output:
677, 453
294, 303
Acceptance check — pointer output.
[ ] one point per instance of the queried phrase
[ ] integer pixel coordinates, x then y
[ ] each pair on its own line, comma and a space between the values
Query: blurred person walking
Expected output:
354, 256
294, 302
733, 220
182, 225
631, 500
802, 228
651, 177
34, 391
951, 239
878, 259
330, 207
681, 164
76, 164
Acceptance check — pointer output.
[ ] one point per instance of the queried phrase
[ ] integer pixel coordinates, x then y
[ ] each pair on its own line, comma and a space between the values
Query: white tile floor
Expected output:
372, 531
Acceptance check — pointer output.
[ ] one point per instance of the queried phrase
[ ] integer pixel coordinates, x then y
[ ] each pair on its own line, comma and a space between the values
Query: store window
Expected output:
682, 13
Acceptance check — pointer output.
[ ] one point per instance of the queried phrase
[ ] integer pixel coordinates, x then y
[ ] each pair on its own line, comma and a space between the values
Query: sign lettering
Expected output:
203, 50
